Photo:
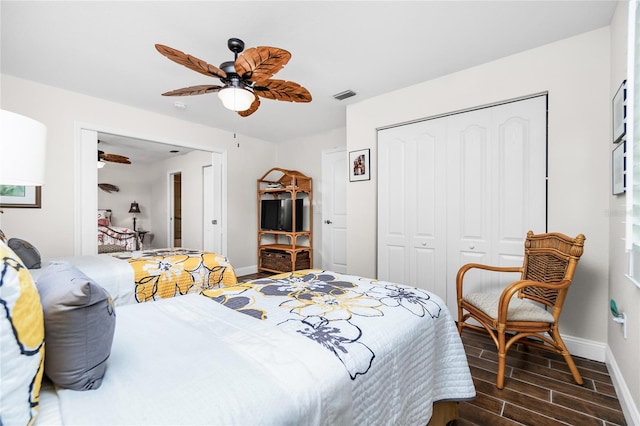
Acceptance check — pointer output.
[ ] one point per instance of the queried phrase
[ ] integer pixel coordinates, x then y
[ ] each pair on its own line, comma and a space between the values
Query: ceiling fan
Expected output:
112, 158
245, 79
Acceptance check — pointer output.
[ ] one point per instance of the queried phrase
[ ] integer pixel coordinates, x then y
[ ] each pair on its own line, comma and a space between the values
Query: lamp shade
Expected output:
135, 208
22, 150
236, 98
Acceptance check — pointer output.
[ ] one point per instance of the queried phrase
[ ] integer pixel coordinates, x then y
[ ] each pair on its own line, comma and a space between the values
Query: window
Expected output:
633, 145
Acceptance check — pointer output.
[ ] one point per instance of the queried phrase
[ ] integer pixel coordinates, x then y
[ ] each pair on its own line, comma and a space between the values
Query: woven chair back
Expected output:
550, 258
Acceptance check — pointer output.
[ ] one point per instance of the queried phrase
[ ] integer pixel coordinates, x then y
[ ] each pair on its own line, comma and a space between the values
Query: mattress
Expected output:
189, 360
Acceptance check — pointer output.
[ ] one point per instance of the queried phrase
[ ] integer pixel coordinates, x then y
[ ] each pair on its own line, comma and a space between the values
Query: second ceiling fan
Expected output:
245, 79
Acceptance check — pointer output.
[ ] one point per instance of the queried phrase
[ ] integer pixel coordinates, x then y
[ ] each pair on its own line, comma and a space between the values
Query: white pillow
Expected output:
21, 342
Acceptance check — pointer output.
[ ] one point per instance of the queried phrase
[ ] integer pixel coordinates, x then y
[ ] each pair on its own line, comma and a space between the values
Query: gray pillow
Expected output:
79, 323
26, 252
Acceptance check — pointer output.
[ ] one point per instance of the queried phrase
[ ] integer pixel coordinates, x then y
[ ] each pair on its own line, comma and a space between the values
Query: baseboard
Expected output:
246, 270
584, 348
629, 408
601, 352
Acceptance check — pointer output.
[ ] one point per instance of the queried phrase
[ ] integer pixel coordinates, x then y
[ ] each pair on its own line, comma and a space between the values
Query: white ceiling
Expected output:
139, 150
106, 49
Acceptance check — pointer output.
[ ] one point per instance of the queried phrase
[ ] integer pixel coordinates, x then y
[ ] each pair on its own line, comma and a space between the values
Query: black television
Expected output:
270, 215
277, 215
286, 215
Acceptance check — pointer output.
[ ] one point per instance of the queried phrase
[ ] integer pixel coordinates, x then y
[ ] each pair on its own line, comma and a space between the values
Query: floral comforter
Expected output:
164, 273
400, 336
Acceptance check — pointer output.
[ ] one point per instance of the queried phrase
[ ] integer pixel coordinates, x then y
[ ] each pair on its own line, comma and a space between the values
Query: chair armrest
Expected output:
513, 288
465, 268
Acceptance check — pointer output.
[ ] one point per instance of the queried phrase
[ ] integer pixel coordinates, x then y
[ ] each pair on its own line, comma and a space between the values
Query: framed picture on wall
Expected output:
20, 196
619, 169
619, 108
359, 165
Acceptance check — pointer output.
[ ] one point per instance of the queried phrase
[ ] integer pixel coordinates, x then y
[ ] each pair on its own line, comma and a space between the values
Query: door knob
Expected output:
328, 222
471, 246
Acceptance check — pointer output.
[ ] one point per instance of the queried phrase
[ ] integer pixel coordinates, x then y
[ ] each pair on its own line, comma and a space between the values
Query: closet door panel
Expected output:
394, 197
428, 261
521, 181
397, 264
470, 194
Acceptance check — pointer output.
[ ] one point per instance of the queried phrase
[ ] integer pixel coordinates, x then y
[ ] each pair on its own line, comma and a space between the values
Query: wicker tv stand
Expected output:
286, 250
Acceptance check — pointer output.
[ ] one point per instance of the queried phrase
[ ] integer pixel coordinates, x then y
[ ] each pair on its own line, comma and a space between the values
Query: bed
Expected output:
112, 239
143, 276
310, 347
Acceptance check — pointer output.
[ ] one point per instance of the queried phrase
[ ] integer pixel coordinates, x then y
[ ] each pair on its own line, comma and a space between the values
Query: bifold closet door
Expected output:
411, 193
459, 189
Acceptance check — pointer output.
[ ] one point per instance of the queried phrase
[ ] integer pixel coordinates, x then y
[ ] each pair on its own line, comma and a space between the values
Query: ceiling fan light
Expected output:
236, 98
101, 164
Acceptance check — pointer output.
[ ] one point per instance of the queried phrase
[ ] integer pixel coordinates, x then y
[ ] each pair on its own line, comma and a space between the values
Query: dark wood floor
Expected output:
539, 390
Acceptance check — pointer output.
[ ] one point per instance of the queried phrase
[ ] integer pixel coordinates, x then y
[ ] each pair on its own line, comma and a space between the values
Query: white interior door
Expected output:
459, 189
212, 205
334, 210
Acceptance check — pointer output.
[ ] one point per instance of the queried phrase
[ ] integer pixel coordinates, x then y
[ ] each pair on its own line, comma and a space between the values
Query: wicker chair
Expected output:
532, 317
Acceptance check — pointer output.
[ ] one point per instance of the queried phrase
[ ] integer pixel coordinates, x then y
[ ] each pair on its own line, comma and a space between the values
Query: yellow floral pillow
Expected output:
21, 342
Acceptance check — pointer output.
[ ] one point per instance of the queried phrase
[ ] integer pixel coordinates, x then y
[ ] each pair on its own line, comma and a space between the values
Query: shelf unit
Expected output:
286, 251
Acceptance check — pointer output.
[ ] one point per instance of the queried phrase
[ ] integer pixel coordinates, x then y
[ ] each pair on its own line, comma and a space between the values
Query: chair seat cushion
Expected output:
519, 309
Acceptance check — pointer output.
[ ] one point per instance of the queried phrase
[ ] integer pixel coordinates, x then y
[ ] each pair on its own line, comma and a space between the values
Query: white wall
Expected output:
190, 166
134, 184
51, 228
575, 73
305, 156
627, 296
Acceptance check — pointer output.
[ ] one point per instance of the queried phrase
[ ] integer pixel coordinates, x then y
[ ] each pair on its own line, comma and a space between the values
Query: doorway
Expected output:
334, 210
175, 219
86, 194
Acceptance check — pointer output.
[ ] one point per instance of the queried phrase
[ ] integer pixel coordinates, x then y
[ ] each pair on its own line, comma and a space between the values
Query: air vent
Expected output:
344, 95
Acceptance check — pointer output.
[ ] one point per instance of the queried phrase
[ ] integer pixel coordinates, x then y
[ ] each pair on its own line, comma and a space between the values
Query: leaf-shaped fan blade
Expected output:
261, 63
193, 90
190, 62
253, 108
281, 90
115, 158
107, 187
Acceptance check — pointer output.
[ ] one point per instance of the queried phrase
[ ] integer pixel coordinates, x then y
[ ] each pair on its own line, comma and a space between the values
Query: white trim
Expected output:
629, 408
246, 270
584, 348
464, 110
629, 277
225, 204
